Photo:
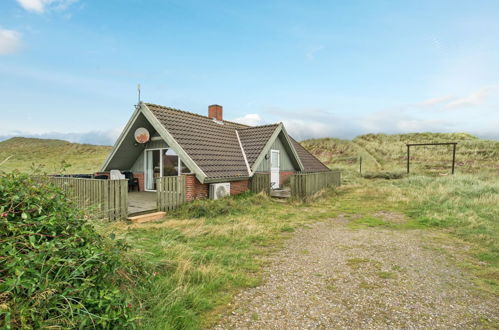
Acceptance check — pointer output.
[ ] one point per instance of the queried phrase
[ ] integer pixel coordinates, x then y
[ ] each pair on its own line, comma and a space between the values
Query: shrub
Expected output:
55, 269
229, 205
384, 175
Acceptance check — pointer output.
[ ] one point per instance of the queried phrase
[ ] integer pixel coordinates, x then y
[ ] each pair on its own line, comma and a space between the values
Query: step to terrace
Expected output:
146, 217
280, 193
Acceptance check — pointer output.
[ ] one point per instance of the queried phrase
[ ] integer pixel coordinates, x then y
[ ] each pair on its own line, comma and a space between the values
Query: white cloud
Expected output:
252, 119
474, 99
92, 137
10, 41
434, 101
40, 6
311, 53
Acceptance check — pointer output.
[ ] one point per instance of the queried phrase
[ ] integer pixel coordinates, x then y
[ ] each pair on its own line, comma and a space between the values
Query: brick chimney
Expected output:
215, 112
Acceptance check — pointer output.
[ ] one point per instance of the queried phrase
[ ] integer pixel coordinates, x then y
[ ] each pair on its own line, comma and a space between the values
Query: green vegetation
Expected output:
21, 153
55, 270
204, 252
200, 262
387, 275
465, 206
387, 153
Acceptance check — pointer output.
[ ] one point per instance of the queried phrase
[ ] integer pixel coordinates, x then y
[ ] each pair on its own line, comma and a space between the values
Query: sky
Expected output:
69, 69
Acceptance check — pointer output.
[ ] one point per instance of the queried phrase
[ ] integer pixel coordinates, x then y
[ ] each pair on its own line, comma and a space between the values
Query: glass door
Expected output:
152, 168
161, 162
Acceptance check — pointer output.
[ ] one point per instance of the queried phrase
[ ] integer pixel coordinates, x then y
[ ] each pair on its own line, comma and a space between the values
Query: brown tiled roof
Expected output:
254, 140
212, 146
309, 161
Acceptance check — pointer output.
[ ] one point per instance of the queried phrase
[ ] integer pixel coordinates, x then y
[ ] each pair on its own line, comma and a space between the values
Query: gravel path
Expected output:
330, 276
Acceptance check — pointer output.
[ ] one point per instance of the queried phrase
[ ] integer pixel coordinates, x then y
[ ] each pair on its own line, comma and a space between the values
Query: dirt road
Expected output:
332, 276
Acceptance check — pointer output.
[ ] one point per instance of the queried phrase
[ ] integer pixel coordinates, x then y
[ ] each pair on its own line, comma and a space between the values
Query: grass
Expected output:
466, 206
206, 251
200, 261
387, 275
367, 221
22, 153
385, 155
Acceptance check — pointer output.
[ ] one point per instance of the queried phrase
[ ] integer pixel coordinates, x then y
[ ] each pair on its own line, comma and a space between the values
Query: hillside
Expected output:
24, 152
381, 152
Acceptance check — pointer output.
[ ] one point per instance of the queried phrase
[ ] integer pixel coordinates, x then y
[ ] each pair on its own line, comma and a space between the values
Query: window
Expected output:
162, 162
170, 163
184, 169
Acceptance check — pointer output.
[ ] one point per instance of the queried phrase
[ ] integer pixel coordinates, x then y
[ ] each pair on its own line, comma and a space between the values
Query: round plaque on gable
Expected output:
142, 135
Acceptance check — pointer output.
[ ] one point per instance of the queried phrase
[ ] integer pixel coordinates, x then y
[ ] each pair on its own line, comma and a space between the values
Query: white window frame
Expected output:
161, 151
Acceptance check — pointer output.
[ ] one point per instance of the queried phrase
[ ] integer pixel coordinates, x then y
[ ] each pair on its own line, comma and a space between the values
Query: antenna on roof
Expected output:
138, 91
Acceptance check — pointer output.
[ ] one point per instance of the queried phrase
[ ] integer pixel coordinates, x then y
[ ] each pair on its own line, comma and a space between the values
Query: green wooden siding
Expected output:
286, 164
129, 150
138, 166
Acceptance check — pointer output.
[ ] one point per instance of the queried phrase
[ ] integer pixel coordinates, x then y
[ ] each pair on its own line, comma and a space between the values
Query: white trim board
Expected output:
244, 154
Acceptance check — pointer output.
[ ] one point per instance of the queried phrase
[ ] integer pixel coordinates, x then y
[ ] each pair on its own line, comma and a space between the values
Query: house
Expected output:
161, 141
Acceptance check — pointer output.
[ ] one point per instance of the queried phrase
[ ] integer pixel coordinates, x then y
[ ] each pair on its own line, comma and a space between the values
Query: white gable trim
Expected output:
280, 128
244, 154
170, 140
122, 136
293, 150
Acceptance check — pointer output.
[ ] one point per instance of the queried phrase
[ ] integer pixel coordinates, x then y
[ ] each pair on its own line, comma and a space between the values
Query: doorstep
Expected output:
147, 217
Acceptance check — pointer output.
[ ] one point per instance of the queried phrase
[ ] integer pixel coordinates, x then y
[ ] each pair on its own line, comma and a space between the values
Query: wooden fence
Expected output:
304, 185
105, 198
260, 182
170, 192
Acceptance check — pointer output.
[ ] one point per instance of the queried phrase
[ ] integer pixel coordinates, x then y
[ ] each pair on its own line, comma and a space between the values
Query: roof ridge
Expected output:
266, 125
193, 113
175, 109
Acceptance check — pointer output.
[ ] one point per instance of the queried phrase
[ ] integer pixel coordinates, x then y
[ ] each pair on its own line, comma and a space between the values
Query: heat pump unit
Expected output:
219, 190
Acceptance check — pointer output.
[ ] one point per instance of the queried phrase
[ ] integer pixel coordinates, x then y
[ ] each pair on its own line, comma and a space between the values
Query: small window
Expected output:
184, 169
170, 163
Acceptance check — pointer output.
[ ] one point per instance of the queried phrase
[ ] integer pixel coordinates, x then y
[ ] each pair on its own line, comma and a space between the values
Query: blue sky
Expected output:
69, 68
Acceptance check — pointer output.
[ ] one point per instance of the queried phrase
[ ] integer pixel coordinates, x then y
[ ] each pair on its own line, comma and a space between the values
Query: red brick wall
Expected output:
195, 189
284, 177
238, 187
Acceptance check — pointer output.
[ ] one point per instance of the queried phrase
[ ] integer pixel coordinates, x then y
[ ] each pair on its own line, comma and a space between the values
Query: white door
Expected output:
152, 168
274, 169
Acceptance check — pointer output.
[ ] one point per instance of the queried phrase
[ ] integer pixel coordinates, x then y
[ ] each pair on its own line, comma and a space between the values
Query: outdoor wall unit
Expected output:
219, 190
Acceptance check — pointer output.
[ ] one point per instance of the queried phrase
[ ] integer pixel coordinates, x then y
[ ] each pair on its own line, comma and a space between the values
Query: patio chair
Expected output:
132, 182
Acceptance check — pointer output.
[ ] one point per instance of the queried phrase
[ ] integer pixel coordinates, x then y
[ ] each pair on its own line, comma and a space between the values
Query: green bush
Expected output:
384, 175
55, 269
229, 205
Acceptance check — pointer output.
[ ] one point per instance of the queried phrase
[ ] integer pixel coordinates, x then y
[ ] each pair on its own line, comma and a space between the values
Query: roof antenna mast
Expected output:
138, 91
